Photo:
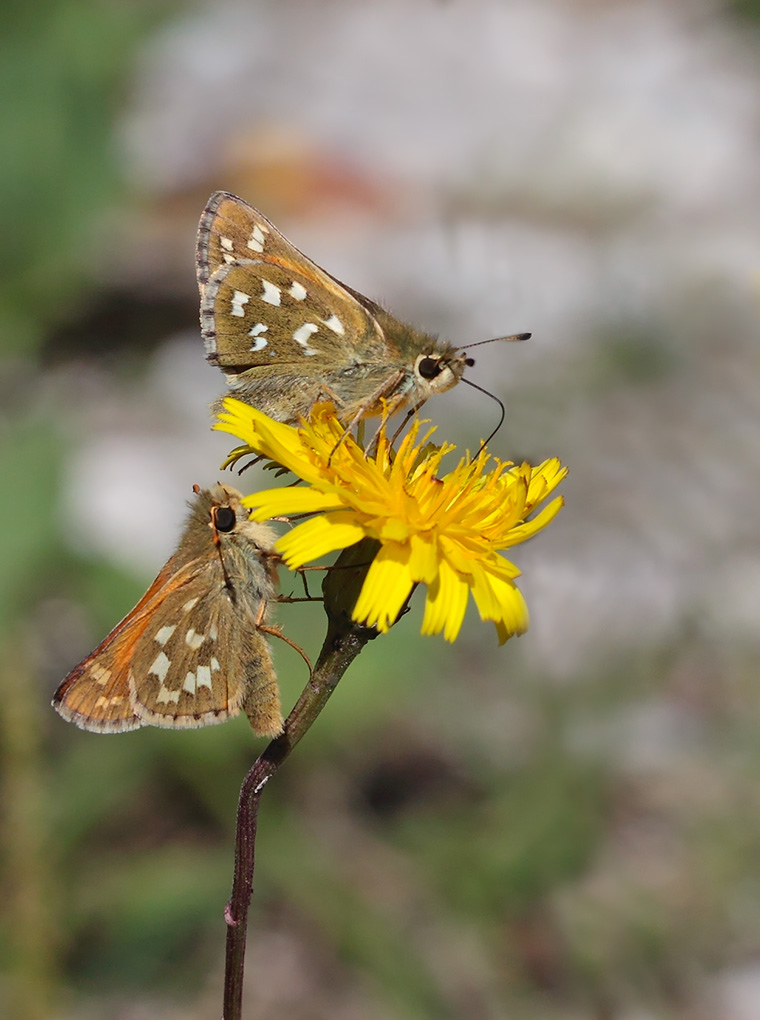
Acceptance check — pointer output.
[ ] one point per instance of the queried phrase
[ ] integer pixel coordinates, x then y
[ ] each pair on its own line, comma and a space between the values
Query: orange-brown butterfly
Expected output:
192, 651
287, 334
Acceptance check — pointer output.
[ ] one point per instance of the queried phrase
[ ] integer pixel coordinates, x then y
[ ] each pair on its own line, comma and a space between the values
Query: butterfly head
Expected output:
220, 509
437, 370
441, 366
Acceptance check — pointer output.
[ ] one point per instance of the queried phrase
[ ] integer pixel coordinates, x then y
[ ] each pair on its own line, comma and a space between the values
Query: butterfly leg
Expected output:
307, 594
388, 386
308, 597
276, 632
388, 411
407, 418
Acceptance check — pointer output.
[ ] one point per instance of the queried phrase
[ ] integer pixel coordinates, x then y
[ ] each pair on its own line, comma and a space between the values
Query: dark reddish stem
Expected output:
343, 643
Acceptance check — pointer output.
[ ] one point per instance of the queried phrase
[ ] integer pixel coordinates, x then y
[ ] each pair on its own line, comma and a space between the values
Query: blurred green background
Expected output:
568, 827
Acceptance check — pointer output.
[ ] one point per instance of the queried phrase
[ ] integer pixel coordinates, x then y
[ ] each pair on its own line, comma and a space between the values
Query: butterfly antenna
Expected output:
494, 339
493, 396
276, 632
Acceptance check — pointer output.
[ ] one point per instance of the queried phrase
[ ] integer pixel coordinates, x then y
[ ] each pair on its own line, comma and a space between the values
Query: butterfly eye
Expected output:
224, 518
469, 362
429, 368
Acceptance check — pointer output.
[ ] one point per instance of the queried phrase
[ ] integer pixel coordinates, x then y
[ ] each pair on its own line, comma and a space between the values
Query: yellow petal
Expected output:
385, 589
460, 554
526, 530
393, 530
424, 557
544, 479
500, 567
289, 500
446, 603
501, 601
318, 537
281, 443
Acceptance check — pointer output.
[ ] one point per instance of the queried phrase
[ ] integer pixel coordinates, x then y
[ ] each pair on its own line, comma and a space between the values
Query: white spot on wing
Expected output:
190, 604
108, 701
260, 342
194, 640
297, 291
239, 299
166, 696
189, 684
160, 666
272, 294
213, 633
256, 240
302, 334
215, 664
163, 635
203, 677
226, 243
335, 325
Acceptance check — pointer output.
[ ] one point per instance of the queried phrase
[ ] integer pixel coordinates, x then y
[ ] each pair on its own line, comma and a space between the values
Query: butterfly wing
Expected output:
186, 656
264, 301
203, 660
231, 230
95, 694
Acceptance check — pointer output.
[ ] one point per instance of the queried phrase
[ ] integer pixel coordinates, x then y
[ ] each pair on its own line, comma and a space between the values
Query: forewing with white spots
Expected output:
193, 664
252, 314
95, 694
264, 301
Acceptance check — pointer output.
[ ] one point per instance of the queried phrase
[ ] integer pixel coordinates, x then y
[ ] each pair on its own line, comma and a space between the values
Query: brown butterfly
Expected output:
287, 334
192, 651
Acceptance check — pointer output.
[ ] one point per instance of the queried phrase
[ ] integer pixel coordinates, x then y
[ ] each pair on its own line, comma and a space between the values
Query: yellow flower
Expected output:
444, 532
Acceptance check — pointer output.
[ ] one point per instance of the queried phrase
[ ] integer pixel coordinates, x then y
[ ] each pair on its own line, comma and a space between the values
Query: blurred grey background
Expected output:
567, 827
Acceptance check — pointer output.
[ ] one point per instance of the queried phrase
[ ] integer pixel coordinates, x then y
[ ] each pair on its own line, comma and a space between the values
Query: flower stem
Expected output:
343, 642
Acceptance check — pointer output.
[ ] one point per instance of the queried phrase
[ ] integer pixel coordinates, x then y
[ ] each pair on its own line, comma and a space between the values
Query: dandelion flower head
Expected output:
443, 531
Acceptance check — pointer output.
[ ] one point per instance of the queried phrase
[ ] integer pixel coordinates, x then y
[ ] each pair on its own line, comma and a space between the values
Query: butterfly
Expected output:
192, 651
288, 335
